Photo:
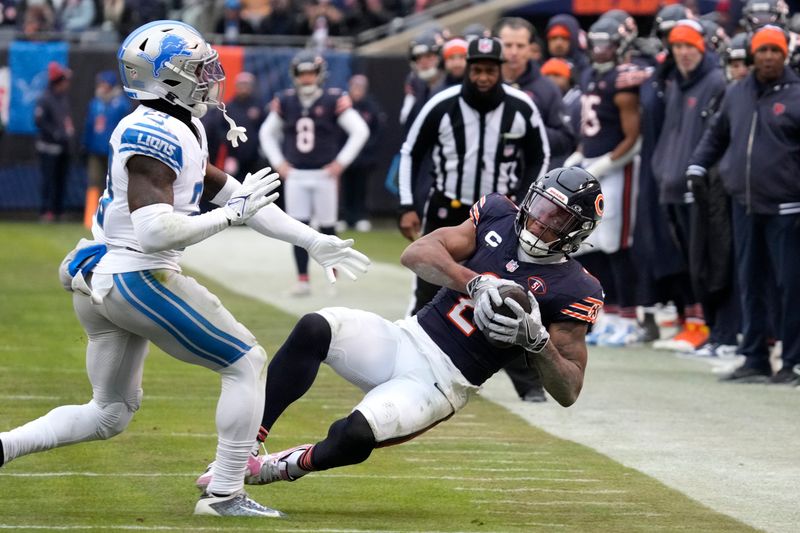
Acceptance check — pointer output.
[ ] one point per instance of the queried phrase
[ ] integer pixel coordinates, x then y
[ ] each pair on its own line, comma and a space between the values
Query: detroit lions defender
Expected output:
419, 371
302, 139
128, 287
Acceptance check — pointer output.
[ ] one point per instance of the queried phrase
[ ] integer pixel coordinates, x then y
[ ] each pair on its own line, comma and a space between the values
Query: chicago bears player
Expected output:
419, 371
301, 138
127, 284
608, 147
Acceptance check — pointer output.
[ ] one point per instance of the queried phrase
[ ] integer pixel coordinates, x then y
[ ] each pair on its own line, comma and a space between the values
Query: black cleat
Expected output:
746, 374
785, 376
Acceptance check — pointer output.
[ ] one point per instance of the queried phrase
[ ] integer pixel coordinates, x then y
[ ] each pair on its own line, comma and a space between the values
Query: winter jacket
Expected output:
687, 100
756, 138
101, 119
547, 97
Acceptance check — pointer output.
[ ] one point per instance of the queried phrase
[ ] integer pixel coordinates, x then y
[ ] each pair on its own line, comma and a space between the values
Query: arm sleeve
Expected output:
271, 220
357, 135
157, 227
268, 136
420, 139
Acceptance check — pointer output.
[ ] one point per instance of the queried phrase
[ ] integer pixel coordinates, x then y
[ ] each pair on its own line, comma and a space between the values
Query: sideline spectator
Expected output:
754, 138
75, 15
356, 177
560, 73
566, 40
106, 109
247, 110
696, 83
521, 72
54, 141
454, 57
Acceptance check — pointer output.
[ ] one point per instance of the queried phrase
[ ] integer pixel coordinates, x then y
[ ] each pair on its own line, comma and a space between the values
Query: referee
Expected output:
483, 137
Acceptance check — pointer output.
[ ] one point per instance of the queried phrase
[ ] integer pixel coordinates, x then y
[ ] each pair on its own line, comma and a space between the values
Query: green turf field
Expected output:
484, 470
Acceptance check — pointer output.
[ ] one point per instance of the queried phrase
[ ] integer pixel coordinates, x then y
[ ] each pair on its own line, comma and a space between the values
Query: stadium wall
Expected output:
19, 172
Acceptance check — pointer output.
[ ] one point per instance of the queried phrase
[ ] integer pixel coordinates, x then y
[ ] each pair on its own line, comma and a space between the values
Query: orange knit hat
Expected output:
769, 35
453, 47
556, 67
558, 30
688, 32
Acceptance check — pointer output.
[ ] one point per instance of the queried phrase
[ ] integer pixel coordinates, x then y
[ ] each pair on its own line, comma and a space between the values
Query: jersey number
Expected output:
456, 316
590, 123
305, 135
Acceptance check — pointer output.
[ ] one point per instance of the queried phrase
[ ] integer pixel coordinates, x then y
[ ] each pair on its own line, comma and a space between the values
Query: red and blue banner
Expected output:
28, 64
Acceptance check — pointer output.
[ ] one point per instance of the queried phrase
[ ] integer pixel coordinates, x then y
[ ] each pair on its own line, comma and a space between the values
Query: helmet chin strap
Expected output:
235, 133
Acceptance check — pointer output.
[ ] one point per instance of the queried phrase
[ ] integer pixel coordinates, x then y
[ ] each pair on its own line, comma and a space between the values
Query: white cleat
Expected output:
236, 504
275, 466
251, 474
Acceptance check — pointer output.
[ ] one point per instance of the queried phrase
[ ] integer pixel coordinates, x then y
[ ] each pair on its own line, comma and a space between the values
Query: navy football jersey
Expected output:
312, 137
601, 128
565, 292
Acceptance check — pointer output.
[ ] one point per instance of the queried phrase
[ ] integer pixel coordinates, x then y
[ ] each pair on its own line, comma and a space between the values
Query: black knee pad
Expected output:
350, 441
311, 335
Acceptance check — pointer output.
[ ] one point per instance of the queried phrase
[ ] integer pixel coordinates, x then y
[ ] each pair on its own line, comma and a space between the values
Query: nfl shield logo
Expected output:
485, 46
512, 265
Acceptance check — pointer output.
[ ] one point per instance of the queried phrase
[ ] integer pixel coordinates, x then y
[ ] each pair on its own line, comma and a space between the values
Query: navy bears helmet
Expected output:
563, 208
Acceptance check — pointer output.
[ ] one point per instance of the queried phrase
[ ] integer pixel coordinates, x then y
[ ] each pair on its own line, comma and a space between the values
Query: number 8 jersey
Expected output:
564, 291
167, 139
312, 137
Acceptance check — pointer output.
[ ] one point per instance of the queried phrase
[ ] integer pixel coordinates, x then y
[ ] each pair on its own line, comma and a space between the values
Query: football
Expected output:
519, 295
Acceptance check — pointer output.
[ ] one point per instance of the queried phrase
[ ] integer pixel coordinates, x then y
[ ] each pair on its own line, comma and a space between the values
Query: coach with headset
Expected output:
483, 137
755, 136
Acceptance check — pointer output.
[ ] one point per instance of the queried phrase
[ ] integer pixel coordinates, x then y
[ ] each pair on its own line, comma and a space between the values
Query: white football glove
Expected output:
483, 291
251, 196
574, 160
333, 253
601, 166
526, 330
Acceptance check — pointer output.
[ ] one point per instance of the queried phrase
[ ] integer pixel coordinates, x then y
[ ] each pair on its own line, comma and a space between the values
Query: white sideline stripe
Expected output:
341, 476
201, 528
577, 503
472, 452
502, 444
493, 461
542, 489
27, 397
482, 469
95, 474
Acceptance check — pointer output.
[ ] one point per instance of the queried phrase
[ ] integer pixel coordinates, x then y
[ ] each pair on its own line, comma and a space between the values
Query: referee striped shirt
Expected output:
474, 153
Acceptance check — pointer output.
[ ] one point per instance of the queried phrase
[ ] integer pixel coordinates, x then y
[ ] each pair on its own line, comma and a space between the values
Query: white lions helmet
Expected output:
171, 60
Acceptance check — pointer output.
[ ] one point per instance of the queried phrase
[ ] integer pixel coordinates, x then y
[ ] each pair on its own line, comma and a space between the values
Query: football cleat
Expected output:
251, 474
275, 466
236, 504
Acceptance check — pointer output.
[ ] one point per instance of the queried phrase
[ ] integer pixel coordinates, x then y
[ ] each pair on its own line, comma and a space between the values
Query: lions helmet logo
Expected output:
169, 47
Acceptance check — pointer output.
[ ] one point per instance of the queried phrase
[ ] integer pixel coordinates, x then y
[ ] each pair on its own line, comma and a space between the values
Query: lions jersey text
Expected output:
165, 138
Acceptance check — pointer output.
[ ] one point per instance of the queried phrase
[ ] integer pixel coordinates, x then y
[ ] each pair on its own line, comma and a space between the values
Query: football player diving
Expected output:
421, 370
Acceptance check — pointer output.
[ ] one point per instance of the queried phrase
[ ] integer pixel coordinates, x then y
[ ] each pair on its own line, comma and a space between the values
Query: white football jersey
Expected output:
165, 138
